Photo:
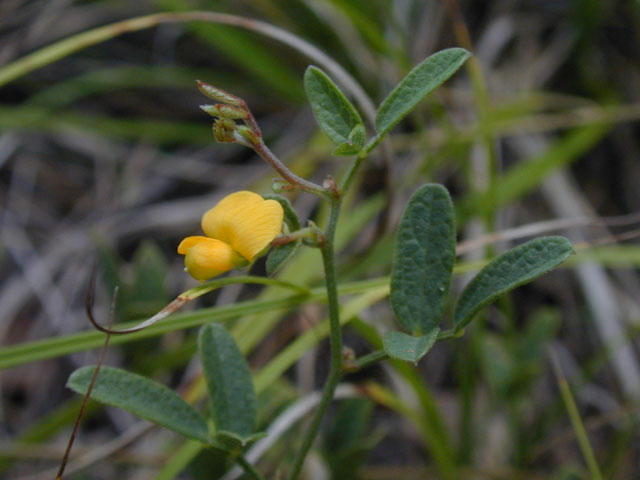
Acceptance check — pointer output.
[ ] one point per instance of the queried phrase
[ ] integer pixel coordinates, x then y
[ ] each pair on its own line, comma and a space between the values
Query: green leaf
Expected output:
233, 399
423, 259
358, 136
419, 82
355, 142
279, 256
233, 441
510, 270
334, 113
143, 397
290, 215
405, 347
345, 149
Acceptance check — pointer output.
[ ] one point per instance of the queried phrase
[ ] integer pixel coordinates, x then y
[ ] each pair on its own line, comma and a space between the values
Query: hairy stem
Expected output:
335, 337
352, 173
269, 157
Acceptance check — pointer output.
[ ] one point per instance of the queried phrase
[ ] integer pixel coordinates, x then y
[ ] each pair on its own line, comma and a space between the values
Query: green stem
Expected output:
248, 468
335, 337
449, 334
352, 172
368, 360
268, 156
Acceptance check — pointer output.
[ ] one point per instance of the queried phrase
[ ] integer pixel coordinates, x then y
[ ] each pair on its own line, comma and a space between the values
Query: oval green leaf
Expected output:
408, 348
419, 82
334, 113
229, 382
280, 255
510, 270
143, 397
423, 259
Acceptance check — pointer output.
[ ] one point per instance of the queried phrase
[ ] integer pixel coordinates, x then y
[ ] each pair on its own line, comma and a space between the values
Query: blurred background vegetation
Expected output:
106, 158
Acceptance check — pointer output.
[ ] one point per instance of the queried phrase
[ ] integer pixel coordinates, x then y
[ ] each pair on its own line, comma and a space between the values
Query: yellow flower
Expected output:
238, 229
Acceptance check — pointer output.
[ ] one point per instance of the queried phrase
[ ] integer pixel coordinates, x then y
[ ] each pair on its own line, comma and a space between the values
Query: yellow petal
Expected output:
207, 258
244, 220
189, 242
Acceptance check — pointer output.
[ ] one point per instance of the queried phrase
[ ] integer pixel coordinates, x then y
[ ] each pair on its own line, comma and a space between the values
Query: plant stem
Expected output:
370, 359
248, 468
335, 337
293, 236
269, 157
352, 172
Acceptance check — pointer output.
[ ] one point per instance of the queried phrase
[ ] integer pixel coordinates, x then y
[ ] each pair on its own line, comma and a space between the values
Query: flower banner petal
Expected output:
246, 221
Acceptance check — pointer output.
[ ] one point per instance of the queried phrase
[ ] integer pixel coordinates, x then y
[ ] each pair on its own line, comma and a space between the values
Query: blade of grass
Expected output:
261, 310
527, 175
179, 460
576, 420
132, 76
48, 425
169, 132
59, 346
246, 51
429, 423
63, 48
287, 357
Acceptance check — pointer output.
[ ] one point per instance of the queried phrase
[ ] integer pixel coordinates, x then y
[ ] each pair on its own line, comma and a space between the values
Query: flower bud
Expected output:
218, 94
223, 130
225, 111
248, 134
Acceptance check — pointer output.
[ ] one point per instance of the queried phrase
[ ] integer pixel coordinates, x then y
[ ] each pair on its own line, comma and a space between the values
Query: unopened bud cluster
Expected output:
231, 109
